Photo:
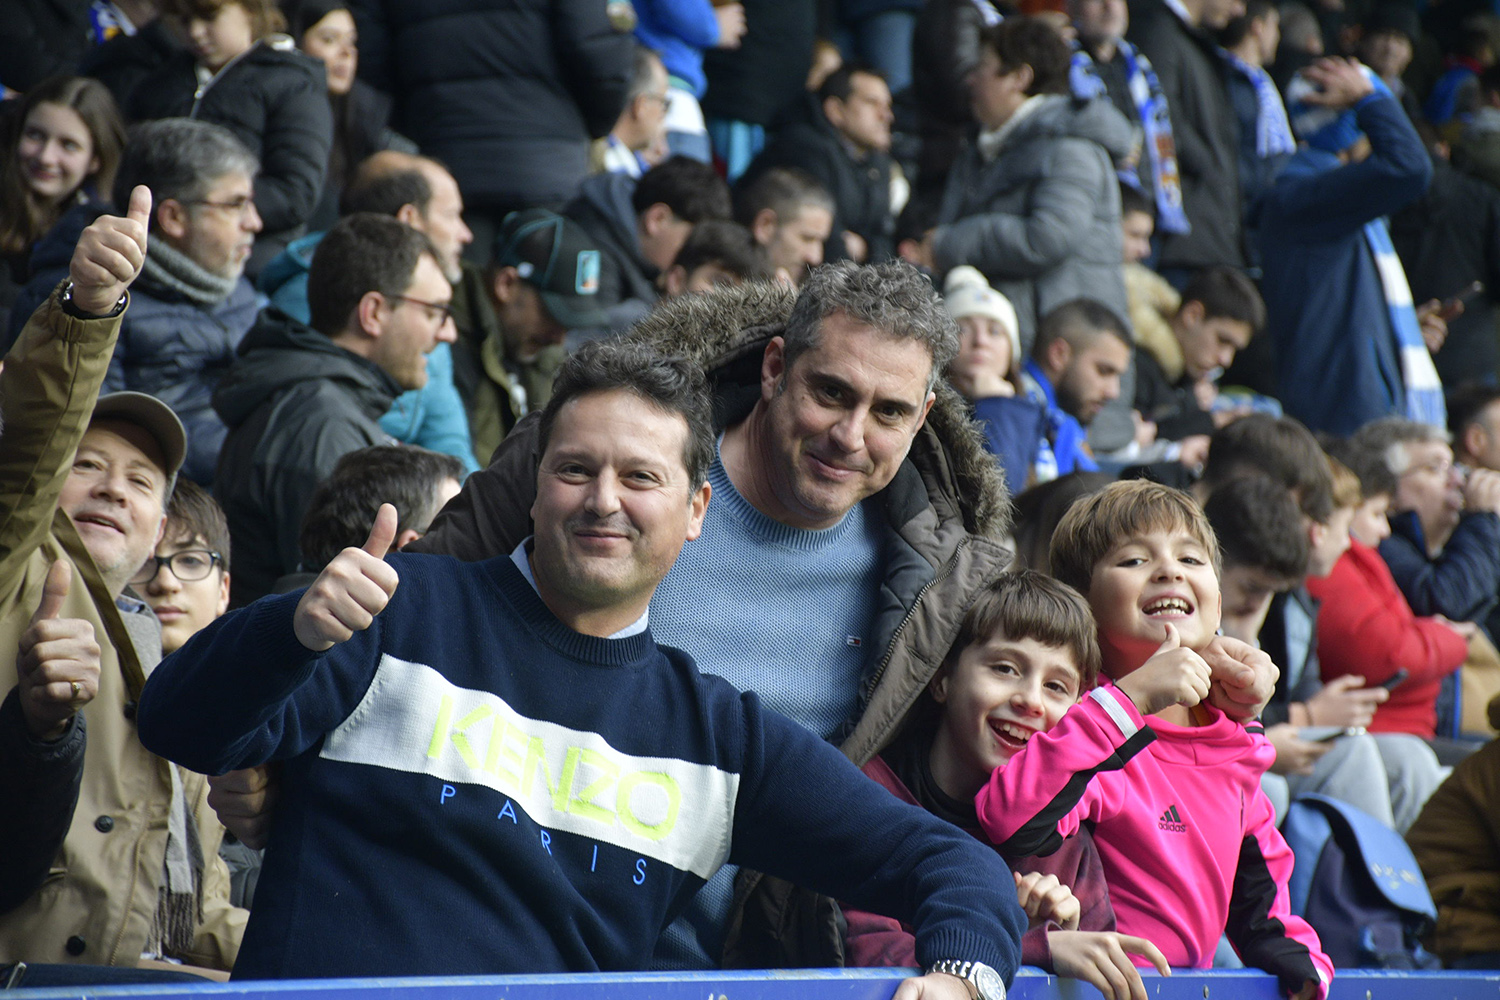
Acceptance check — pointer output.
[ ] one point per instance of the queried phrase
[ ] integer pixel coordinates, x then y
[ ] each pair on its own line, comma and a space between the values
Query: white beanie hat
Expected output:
967, 293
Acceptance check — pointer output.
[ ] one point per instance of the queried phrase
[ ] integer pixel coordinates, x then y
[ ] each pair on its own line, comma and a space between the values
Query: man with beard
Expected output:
1082, 348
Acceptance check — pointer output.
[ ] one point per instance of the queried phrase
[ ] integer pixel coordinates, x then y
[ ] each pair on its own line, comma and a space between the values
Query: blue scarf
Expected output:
1065, 451
1151, 104
1273, 133
1419, 377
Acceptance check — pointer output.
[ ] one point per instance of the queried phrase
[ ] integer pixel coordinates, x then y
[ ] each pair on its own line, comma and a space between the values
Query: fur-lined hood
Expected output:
726, 331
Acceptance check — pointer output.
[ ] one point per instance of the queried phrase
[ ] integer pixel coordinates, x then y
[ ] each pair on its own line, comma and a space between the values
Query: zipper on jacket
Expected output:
203, 88
890, 649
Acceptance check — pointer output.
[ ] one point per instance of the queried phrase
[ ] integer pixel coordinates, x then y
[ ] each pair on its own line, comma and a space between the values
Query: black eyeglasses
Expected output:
438, 312
238, 206
194, 564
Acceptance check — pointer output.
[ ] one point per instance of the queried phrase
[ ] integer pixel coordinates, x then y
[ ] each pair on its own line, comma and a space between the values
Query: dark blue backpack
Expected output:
1356, 882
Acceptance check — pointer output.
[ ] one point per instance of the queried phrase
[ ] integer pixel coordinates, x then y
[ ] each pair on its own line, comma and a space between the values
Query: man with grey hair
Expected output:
1444, 547
191, 305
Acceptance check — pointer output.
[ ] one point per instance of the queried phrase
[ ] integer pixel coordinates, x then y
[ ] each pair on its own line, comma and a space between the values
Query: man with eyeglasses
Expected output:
641, 130
301, 396
132, 870
192, 305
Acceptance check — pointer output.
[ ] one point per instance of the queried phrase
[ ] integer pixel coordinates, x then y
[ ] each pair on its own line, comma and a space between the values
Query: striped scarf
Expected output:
1419, 377
1273, 134
1151, 105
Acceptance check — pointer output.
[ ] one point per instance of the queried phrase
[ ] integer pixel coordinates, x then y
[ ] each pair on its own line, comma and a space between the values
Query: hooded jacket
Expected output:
295, 403
627, 280
946, 507
1042, 219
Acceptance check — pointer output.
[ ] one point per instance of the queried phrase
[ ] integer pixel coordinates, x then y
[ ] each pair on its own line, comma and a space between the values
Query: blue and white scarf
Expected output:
1151, 104
1424, 391
1273, 133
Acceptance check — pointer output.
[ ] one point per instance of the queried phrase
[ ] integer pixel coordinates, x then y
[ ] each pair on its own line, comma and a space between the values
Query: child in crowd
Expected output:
1151, 300
1176, 377
1025, 653
1171, 784
989, 353
186, 584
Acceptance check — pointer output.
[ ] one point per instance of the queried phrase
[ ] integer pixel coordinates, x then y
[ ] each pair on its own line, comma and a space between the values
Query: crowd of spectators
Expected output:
267, 268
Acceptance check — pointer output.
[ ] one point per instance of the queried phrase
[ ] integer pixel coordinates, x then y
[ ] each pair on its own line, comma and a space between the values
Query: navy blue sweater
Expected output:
471, 787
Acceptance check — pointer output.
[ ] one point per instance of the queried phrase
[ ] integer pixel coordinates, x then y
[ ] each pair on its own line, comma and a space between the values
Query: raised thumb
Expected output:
382, 532
54, 591
140, 205
1172, 641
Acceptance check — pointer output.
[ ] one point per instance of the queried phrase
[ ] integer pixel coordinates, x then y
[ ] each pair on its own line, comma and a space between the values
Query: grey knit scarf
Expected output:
171, 271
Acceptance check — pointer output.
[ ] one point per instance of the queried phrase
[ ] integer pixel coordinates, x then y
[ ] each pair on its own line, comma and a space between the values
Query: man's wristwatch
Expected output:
65, 299
984, 982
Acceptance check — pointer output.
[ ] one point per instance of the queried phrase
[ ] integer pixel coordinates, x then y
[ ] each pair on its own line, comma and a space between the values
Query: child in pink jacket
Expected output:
1172, 784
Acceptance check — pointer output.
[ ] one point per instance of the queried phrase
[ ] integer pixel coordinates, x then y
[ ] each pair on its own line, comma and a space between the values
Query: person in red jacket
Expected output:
1366, 628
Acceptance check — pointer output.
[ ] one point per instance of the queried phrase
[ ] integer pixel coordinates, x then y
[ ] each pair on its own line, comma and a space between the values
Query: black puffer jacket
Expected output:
507, 93
275, 99
295, 403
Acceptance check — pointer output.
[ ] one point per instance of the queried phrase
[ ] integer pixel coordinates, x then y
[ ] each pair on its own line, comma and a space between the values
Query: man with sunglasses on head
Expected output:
301, 396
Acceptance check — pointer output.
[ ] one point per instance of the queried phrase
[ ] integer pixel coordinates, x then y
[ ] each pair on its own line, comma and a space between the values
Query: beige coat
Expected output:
98, 904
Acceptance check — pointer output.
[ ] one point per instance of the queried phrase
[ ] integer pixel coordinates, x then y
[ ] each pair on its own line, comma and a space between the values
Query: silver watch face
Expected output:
987, 981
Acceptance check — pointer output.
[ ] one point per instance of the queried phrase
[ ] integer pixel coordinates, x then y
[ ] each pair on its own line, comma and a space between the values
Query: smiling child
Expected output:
1172, 785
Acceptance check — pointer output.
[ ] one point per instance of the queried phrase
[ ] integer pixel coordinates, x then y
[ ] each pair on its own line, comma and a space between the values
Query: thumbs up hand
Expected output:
110, 254
57, 661
1174, 675
354, 588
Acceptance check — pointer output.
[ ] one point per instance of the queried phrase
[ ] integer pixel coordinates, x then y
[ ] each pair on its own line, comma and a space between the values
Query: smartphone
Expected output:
1395, 680
1452, 308
1322, 734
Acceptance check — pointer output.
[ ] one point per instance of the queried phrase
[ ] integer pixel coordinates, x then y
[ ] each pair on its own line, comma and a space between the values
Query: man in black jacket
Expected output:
1174, 36
300, 397
847, 150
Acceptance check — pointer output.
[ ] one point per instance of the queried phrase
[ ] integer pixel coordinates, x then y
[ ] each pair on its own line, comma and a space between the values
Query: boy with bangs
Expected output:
1025, 653
1172, 785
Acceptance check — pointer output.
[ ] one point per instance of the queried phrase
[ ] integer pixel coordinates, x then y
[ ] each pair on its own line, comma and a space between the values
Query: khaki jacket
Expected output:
99, 902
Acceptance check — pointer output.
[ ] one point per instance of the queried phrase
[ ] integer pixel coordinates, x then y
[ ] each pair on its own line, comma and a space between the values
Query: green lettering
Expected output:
461, 742
445, 712
582, 804
565, 781
536, 760
626, 812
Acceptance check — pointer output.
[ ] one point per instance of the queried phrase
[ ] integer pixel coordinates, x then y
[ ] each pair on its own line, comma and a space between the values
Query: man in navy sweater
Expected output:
535, 785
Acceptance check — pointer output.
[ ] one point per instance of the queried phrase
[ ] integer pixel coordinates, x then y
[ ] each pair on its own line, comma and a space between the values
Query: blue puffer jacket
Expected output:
168, 347
432, 417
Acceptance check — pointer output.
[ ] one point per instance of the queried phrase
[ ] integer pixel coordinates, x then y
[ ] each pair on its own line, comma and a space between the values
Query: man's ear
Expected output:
1316, 534
675, 280
503, 284
1025, 76
833, 110
409, 215
1191, 312
222, 604
655, 218
1472, 441
763, 226
405, 538
772, 368
1056, 355
697, 507
370, 313
172, 218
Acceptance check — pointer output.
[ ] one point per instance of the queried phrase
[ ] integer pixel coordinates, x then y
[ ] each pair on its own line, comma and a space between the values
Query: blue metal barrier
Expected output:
798, 984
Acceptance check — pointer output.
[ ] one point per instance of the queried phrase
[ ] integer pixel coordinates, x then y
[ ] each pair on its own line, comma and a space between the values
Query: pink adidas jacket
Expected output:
1187, 838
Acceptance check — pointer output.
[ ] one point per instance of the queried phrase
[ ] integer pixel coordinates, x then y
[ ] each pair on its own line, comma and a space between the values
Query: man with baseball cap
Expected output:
544, 281
86, 485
